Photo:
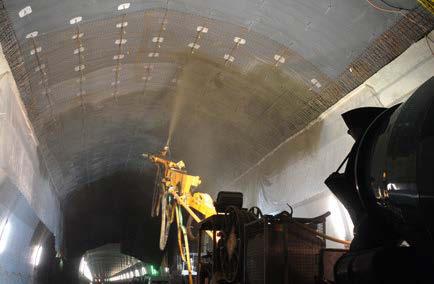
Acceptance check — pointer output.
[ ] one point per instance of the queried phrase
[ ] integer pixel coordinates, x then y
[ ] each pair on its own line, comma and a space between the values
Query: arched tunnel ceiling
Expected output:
103, 85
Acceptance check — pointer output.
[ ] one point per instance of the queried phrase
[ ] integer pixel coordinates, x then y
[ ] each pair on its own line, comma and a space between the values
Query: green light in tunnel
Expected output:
154, 272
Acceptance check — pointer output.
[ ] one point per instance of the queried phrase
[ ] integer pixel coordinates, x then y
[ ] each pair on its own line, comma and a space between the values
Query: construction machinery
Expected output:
237, 234
388, 189
173, 190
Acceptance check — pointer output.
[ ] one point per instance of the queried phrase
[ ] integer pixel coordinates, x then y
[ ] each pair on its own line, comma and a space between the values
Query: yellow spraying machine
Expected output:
173, 190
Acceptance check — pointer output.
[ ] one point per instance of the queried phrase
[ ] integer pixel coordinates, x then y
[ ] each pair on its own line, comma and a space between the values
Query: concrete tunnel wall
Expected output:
294, 172
25, 195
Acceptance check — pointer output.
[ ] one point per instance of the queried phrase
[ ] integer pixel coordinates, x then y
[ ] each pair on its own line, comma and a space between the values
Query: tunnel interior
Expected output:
95, 84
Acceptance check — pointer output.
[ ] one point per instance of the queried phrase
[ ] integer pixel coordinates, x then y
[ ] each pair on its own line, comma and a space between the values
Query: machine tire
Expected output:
165, 221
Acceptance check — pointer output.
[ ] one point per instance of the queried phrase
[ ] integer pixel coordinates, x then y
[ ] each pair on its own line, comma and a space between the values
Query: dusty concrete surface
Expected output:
294, 172
97, 105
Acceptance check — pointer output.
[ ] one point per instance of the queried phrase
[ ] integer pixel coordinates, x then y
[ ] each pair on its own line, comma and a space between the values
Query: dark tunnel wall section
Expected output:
115, 209
26, 245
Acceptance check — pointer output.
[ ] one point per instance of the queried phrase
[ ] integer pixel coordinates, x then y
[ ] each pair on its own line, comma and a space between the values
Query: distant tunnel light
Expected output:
136, 273
143, 271
36, 255
85, 270
5, 230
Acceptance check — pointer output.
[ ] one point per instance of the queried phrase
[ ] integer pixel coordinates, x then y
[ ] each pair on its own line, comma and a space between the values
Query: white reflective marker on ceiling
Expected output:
239, 41
75, 36
229, 57
75, 20
118, 56
40, 67
123, 6
120, 41
79, 67
37, 50
158, 39
78, 50
194, 45
121, 25
279, 58
25, 11
316, 83
202, 29
32, 34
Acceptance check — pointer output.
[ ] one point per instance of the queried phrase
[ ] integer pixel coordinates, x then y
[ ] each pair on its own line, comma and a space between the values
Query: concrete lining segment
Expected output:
330, 34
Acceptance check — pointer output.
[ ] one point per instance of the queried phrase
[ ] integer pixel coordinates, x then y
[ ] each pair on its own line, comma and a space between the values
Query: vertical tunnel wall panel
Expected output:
294, 172
20, 162
18, 224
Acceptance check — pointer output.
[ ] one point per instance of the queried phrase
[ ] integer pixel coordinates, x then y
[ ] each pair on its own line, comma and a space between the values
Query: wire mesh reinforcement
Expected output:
102, 91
